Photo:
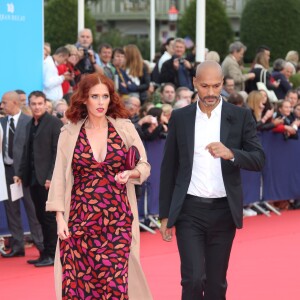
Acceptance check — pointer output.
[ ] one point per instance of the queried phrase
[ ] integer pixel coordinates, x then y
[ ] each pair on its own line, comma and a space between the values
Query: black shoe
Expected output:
35, 261
46, 261
14, 253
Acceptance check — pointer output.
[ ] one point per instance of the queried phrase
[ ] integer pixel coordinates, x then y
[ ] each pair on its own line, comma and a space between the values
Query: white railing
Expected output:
129, 7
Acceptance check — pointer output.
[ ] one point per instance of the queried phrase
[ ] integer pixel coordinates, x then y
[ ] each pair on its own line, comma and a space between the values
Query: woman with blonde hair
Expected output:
293, 57
264, 121
138, 71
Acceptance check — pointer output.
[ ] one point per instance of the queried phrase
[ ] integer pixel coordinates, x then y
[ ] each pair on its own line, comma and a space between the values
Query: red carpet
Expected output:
265, 265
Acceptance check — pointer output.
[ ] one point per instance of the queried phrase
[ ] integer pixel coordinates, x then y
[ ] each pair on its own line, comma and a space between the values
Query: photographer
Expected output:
88, 59
178, 70
60, 108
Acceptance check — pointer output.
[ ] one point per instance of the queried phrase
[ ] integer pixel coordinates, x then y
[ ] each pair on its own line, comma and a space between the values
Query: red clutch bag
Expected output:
132, 158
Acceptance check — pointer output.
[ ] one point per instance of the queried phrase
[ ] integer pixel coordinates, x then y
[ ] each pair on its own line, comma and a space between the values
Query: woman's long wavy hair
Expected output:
134, 60
78, 111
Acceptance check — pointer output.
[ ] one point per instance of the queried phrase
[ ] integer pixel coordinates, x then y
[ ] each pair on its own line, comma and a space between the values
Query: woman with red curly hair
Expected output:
94, 199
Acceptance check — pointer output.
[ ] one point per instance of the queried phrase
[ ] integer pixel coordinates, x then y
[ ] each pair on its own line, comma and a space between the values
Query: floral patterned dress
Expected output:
95, 258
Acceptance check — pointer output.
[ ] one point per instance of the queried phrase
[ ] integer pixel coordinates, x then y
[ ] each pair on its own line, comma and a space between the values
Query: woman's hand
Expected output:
62, 227
123, 177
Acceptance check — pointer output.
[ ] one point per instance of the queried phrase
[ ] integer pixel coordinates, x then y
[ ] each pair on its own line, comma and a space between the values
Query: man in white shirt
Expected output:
200, 186
169, 45
51, 80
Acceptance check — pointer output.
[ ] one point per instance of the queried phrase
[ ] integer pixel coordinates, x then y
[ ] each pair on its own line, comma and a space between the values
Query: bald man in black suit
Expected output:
200, 188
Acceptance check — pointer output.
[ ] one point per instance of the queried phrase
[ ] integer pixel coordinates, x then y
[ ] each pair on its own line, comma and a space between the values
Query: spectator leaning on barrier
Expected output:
289, 127
292, 96
263, 121
231, 67
296, 112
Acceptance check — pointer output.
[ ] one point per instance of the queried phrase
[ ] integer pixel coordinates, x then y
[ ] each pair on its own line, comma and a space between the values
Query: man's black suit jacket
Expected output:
45, 146
237, 132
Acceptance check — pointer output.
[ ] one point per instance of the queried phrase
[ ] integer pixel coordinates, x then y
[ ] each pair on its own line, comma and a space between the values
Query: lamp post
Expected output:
173, 16
80, 15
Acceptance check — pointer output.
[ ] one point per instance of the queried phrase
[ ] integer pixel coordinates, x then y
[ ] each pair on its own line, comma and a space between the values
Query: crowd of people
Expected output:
149, 93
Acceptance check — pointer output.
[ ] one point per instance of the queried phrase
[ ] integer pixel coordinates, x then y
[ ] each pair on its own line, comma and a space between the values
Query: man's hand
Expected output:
251, 76
47, 184
17, 180
187, 64
218, 150
166, 233
176, 63
277, 121
290, 130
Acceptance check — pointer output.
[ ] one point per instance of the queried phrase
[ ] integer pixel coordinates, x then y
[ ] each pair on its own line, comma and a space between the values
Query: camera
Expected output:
88, 67
60, 115
181, 60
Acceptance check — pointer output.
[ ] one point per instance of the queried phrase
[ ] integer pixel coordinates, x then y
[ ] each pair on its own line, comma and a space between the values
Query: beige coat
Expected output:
232, 69
59, 199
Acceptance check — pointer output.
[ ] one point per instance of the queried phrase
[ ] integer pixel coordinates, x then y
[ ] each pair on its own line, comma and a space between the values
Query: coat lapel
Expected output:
4, 127
189, 122
226, 121
19, 125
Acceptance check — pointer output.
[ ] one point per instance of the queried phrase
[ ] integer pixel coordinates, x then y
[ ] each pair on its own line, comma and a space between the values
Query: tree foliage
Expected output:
219, 33
271, 23
61, 22
115, 38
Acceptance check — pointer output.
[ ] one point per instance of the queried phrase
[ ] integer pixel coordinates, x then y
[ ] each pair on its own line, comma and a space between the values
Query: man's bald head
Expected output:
208, 64
10, 103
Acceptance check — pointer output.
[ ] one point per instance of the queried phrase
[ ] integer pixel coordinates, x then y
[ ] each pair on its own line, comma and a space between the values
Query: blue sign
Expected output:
21, 50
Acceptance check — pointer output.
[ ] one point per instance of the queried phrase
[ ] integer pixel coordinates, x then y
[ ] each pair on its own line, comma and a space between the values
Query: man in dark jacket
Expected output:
200, 186
37, 167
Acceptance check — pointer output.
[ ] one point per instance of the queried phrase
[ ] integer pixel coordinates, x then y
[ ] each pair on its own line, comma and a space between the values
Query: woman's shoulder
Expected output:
119, 121
71, 128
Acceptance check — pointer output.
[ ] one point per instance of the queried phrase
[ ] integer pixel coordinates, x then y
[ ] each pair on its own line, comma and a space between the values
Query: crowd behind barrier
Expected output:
280, 179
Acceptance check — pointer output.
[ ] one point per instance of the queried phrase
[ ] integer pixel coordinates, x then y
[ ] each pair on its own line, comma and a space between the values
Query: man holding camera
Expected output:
89, 62
177, 69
